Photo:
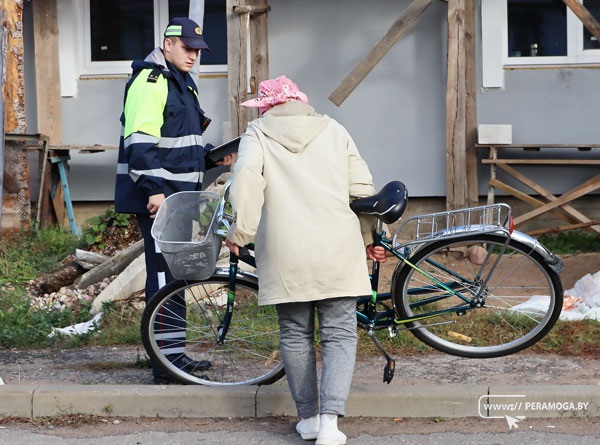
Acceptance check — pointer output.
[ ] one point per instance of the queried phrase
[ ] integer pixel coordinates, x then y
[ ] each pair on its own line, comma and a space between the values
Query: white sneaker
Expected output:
329, 434
333, 438
308, 428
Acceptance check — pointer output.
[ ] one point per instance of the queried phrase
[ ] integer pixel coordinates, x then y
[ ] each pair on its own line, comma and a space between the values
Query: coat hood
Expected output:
152, 60
292, 124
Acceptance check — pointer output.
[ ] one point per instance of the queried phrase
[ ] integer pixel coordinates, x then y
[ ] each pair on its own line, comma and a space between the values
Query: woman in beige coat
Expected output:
294, 178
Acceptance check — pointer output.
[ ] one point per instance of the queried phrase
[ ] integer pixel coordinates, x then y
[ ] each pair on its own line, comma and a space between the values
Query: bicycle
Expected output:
454, 288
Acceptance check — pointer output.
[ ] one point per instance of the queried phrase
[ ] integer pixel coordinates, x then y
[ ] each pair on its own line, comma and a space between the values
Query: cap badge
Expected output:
198, 30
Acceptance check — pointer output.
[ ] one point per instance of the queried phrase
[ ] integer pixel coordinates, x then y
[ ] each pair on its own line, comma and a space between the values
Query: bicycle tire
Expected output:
248, 356
504, 324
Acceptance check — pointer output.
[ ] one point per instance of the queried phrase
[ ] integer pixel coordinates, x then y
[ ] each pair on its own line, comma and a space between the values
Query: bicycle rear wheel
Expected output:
521, 298
248, 355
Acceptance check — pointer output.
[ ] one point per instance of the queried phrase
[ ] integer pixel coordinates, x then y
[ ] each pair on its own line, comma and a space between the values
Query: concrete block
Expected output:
415, 401
145, 401
541, 401
275, 400
15, 400
494, 134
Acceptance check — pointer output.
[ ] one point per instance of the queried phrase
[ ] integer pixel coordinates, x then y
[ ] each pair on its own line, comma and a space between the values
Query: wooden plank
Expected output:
516, 193
587, 187
528, 199
542, 161
259, 48
47, 75
583, 14
578, 146
564, 228
404, 23
570, 212
237, 50
461, 156
471, 104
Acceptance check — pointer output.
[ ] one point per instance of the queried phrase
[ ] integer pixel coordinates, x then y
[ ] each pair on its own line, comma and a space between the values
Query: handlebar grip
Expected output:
244, 251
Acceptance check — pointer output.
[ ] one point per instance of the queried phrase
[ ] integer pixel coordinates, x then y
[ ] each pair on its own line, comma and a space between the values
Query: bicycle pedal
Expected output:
388, 372
392, 331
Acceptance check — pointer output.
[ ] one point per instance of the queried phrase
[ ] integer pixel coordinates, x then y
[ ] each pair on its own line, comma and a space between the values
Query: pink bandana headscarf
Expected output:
274, 92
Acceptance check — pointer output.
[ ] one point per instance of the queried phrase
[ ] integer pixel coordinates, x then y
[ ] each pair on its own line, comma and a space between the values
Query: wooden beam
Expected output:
583, 14
567, 211
364, 67
585, 188
237, 50
259, 48
47, 75
461, 117
564, 228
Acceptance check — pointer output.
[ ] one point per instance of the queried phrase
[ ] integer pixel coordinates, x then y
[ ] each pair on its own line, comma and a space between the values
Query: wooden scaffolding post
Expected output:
47, 75
246, 22
461, 114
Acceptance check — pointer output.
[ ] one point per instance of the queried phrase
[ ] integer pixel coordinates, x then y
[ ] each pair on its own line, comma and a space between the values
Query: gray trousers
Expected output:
337, 331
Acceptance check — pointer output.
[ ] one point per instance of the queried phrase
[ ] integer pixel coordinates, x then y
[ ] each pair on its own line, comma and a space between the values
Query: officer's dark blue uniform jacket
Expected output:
160, 149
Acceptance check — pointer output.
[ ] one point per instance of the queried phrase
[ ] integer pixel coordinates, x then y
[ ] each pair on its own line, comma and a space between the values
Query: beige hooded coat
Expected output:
294, 177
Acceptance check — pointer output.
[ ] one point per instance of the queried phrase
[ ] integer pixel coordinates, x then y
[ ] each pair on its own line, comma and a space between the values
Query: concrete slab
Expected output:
15, 400
144, 401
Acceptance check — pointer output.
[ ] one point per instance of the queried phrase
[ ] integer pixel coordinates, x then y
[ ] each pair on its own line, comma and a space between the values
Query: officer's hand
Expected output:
228, 160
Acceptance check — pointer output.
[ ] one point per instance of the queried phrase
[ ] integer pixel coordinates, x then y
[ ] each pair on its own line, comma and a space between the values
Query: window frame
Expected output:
90, 68
575, 52
494, 46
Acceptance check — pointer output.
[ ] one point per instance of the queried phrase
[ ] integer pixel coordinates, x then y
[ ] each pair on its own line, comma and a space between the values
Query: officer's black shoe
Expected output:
187, 364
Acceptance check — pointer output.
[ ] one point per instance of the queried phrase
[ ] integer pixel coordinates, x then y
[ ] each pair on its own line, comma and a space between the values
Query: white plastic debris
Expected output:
1, 381
79, 328
581, 302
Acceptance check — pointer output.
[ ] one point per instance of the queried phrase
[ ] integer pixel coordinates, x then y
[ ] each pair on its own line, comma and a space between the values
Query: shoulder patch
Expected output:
153, 76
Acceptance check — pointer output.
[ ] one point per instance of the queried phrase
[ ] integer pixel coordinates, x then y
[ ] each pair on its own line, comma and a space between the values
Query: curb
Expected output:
444, 401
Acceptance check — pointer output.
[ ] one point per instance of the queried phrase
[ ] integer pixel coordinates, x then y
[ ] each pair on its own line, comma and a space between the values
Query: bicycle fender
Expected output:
552, 260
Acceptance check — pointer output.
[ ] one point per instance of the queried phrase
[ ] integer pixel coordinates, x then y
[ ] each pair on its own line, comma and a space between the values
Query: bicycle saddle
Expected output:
388, 205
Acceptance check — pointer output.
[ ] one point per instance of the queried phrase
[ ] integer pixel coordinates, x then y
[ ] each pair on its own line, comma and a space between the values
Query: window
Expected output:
530, 33
537, 28
119, 31
548, 32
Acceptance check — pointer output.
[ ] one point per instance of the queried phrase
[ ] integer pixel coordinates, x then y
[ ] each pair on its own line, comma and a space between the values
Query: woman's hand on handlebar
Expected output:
376, 253
233, 248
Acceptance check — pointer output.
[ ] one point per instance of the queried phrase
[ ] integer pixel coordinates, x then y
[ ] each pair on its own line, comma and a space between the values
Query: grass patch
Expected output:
31, 254
571, 241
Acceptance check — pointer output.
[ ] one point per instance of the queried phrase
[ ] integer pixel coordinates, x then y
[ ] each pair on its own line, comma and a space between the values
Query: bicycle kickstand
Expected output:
390, 367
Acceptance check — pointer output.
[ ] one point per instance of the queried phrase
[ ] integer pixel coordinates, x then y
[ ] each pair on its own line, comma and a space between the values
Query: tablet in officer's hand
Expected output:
217, 153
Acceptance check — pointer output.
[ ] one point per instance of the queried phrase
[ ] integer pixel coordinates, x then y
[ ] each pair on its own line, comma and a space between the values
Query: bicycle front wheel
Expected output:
487, 305
182, 326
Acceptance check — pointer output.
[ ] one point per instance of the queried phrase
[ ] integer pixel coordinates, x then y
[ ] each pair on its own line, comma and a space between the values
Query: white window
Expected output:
115, 32
533, 33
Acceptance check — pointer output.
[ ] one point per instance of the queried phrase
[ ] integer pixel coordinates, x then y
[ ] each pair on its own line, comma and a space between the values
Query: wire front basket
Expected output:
184, 230
450, 224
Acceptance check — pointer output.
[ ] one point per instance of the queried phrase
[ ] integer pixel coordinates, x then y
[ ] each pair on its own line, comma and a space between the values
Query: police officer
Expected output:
161, 152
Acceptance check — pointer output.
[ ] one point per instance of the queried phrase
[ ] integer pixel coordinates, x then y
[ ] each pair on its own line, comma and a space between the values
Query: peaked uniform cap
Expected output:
188, 31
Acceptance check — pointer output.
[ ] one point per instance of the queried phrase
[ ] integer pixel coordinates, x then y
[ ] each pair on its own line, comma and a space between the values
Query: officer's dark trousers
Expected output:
169, 327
